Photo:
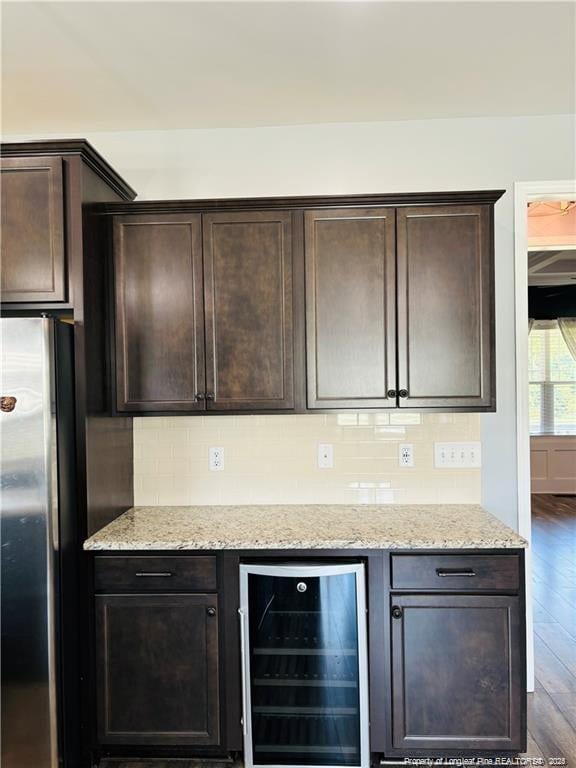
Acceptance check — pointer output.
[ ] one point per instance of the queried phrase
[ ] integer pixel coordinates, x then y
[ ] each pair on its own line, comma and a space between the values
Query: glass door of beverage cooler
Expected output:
304, 665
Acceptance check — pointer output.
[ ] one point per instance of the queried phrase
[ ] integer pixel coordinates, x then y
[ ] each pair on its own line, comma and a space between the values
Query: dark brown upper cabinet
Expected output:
159, 312
204, 321
32, 254
457, 673
157, 669
48, 237
306, 304
445, 307
351, 307
248, 297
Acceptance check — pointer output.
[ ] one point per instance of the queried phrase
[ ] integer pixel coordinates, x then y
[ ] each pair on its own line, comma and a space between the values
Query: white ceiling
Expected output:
159, 65
552, 266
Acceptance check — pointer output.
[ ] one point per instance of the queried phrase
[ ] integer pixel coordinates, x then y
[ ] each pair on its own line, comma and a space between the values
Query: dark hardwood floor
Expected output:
552, 707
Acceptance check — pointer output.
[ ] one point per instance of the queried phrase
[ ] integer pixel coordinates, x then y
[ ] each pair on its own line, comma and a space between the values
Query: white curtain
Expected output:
567, 327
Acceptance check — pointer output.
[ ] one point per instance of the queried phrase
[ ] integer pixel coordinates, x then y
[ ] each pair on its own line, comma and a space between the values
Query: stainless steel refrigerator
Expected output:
39, 544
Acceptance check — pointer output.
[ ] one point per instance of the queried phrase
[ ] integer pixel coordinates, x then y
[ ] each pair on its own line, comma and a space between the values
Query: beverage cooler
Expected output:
304, 664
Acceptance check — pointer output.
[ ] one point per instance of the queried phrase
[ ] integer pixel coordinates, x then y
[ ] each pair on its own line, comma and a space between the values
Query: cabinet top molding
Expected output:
476, 197
81, 147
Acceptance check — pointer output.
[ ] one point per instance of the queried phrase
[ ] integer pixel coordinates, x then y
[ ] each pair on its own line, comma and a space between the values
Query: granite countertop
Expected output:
306, 526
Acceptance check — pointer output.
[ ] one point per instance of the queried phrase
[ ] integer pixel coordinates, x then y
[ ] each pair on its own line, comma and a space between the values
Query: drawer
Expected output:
451, 573
151, 574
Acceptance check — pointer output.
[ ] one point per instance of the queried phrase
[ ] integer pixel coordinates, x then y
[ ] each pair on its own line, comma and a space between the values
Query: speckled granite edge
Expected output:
433, 526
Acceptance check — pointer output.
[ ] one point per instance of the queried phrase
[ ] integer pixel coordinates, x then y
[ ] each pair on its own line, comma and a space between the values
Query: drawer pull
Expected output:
455, 572
154, 574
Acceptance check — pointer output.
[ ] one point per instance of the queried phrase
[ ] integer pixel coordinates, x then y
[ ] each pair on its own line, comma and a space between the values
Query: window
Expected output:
552, 381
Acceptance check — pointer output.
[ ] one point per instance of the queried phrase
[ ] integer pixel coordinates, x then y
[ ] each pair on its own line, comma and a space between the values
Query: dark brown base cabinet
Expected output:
456, 672
157, 651
457, 653
446, 647
158, 669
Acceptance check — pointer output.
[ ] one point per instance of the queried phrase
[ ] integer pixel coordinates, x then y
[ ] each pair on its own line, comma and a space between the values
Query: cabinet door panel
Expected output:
32, 255
159, 312
445, 307
457, 674
350, 307
248, 298
157, 659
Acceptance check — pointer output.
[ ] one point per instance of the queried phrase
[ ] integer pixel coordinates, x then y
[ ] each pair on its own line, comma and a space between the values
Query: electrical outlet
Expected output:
325, 456
217, 459
406, 455
457, 455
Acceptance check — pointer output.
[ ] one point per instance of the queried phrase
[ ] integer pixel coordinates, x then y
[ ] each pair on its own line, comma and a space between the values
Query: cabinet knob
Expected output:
403, 393
391, 393
396, 612
209, 396
211, 611
200, 396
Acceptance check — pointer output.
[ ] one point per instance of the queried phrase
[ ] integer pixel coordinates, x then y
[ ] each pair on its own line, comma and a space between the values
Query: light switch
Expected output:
457, 455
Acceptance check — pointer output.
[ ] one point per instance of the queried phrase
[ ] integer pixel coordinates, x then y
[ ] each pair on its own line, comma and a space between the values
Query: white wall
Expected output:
373, 157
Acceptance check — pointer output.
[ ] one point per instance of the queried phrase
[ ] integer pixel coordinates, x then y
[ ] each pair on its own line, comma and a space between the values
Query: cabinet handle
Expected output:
200, 396
211, 611
245, 713
209, 396
391, 393
154, 574
396, 612
403, 393
455, 572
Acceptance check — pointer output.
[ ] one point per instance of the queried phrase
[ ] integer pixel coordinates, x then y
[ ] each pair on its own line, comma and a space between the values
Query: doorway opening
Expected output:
545, 261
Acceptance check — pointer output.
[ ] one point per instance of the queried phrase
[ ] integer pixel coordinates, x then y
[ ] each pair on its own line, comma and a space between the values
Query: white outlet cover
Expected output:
216, 461
325, 456
406, 455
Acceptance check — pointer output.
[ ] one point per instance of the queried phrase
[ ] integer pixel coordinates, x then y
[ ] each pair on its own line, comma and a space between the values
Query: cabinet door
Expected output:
159, 313
32, 253
248, 299
350, 308
457, 672
157, 665
445, 307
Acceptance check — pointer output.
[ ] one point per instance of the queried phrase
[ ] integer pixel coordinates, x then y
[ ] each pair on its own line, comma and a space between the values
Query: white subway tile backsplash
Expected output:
273, 459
